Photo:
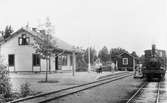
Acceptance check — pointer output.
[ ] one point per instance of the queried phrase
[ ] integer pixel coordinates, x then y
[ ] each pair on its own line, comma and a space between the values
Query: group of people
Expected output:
99, 70
138, 71
98, 66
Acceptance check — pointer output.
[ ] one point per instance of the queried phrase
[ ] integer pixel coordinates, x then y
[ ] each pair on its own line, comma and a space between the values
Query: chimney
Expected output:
34, 29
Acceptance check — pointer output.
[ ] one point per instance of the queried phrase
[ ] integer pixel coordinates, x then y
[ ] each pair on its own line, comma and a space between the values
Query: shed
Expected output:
127, 61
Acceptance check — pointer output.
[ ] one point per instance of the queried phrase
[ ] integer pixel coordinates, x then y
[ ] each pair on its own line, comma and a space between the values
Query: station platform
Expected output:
57, 81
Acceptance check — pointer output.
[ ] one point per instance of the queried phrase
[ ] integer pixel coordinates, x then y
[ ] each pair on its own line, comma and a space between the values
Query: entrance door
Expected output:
11, 62
56, 63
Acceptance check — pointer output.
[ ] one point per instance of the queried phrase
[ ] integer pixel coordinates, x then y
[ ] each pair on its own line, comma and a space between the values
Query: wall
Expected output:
130, 62
23, 54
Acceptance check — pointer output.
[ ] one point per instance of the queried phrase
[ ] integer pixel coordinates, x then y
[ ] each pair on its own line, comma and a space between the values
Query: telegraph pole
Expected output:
89, 66
47, 56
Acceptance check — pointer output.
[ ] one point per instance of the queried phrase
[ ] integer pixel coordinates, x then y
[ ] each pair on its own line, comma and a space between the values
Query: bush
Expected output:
81, 66
5, 86
25, 90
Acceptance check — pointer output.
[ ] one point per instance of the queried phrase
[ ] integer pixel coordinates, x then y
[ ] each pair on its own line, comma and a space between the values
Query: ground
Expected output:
114, 92
60, 80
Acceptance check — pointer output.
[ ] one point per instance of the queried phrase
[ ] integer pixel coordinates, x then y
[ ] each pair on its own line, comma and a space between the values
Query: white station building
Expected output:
19, 55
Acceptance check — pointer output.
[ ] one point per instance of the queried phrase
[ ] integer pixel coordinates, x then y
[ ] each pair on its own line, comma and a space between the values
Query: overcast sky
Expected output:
130, 24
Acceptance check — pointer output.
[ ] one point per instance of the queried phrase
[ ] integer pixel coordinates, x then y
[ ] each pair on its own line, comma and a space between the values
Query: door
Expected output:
11, 62
56, 63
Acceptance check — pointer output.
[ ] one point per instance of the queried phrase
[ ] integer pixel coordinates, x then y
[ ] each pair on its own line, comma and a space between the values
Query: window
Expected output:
64, 60
24, 40
11, 59
36, 60
125, 61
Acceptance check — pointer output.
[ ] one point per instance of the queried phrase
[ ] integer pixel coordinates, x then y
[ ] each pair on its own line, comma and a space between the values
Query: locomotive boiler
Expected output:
154, 65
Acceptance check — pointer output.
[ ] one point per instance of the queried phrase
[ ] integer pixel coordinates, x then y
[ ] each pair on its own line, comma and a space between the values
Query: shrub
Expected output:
5, 86
81, 65
25, 89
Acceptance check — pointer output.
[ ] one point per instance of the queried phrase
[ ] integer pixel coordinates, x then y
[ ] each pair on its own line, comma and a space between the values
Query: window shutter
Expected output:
28, 40
20, 41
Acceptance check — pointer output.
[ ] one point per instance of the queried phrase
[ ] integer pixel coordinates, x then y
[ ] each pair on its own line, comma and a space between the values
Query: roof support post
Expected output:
68, 60
74, 63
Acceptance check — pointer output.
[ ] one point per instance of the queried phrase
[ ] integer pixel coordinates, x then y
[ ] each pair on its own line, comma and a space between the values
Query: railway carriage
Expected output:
154, 63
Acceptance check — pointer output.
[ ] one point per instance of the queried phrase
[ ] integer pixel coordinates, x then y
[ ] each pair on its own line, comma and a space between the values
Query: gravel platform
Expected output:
114, 92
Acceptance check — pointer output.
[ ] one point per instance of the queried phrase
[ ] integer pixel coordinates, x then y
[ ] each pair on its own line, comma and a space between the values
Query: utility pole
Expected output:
89, 66
74, 64
47, 56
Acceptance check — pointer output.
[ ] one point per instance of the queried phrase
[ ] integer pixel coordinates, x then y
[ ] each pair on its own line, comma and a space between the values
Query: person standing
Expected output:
112, 67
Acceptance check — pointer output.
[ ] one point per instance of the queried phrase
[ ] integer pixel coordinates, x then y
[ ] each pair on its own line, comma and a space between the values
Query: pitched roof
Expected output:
128, 54
58, 43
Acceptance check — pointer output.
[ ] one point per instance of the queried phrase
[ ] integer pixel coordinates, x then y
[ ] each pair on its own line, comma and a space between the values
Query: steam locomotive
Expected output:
154, 65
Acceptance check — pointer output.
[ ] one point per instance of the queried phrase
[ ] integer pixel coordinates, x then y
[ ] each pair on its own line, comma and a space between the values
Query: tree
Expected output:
115, 52
134, 54
8, 31
81, 63
5, 86
93, 55
104, 55
141, 59
44, 44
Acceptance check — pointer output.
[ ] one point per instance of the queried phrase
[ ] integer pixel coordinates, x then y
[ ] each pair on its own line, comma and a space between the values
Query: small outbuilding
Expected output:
127, 61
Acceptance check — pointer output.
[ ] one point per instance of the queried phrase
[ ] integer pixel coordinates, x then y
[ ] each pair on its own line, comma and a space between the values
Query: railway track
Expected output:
132, 99
47, 97
158, 91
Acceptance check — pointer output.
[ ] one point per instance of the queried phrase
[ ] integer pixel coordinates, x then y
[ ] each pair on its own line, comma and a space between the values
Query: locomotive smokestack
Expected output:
153, 50
153, 46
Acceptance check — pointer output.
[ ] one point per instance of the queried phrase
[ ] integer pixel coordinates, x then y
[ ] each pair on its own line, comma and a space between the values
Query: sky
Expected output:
130, 24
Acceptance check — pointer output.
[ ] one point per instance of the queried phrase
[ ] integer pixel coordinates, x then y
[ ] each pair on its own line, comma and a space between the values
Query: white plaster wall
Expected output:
36, 68
52, 63
68, 60
23, 54
66, 67
43, 65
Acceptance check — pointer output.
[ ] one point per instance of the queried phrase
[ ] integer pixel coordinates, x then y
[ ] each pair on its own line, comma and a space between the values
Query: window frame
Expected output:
123, 61
64, 60
20, 40
13, 60
36, 62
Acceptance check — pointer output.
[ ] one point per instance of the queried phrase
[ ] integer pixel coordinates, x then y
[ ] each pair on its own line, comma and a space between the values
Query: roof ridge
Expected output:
58, 43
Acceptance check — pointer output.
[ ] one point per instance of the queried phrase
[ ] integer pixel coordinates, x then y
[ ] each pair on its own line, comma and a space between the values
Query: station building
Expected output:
127, 61
19, 55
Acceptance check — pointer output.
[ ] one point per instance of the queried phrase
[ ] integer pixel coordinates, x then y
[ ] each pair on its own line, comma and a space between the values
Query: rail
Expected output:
132, 98
46, 97
158, 93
